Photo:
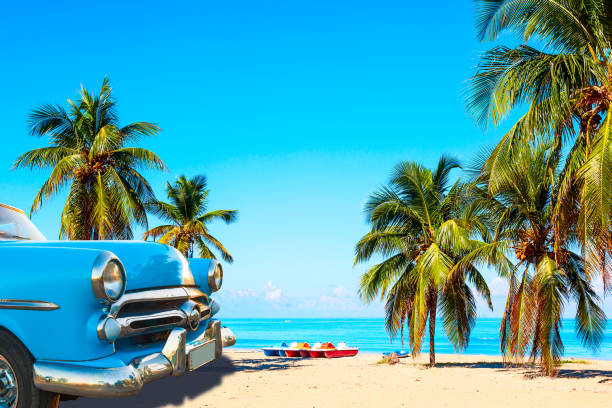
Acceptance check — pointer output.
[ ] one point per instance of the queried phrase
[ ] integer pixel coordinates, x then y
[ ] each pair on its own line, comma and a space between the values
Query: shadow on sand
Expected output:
530, 371
476, 364
605, 374
268, 364
169, 391
177, 391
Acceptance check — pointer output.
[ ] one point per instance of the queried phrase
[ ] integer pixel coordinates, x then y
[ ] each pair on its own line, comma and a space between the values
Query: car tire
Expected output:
16, 368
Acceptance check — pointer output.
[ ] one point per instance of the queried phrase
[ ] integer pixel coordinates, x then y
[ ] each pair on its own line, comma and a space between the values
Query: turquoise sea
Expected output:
370, 336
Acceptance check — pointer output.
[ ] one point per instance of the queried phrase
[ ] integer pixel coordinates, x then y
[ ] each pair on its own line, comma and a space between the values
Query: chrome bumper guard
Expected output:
125, 381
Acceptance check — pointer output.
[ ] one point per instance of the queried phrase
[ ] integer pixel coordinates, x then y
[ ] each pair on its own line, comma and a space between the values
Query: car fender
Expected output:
59, 277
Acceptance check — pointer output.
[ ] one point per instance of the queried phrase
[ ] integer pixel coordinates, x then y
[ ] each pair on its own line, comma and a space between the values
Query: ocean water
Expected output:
370, 336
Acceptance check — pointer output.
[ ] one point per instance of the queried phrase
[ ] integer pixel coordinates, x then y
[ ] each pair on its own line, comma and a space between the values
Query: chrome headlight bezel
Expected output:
215, 276
100, 275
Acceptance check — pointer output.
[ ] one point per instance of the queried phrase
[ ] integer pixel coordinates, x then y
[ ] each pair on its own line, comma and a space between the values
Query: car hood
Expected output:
147, 264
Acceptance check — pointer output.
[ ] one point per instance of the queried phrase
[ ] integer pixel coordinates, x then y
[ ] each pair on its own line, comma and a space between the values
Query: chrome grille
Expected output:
140, 315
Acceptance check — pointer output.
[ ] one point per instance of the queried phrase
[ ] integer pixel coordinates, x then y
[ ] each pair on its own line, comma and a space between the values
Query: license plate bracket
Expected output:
201, 355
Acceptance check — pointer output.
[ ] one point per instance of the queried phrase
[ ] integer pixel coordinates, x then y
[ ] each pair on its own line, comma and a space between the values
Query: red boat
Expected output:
318, 350
349, 352
292, 353
298, 350
315, 353
341, 351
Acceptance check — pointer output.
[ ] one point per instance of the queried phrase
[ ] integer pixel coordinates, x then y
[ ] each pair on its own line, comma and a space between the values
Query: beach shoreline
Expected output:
442, 355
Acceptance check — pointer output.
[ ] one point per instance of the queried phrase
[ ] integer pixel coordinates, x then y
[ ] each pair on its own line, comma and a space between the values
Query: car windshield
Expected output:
15, 225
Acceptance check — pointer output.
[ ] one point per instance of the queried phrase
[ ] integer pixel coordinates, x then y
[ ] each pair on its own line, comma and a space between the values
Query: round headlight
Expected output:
108, 277
215, 276
114, 280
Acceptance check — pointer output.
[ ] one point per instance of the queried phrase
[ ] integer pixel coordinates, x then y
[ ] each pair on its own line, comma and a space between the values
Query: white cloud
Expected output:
272, 301
272, 293
340, 298
247, 293
340, 291
330, 301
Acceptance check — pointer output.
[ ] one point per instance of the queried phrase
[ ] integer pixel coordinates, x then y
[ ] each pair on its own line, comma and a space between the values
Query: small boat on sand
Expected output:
342, 350
293, 350
318, 349
304, 349
276, 350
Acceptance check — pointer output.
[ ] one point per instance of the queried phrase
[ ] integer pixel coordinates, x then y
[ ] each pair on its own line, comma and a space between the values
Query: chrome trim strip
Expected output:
156, 295
196, 293
123, 381
213, 331
163, 287
8, 207
125, 322
174, 351
27, 305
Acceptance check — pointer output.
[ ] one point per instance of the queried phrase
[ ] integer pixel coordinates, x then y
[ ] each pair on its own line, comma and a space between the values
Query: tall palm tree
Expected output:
422, 227
96, 158
548, 273
561, 75
188, 216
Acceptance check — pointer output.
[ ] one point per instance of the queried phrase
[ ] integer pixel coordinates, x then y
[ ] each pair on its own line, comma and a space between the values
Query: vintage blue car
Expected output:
99, 318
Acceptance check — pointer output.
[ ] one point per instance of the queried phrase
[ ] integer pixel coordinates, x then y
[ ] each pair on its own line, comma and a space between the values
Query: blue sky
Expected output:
295, 110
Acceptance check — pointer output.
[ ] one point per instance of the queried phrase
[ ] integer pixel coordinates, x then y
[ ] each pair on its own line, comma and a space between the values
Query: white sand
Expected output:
249, 379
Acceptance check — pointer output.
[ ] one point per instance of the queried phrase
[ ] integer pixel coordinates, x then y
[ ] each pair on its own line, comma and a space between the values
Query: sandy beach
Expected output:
249, 379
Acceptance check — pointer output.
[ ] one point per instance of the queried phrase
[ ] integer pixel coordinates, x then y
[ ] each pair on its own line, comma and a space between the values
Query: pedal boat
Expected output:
318, 350
275, 351
293, 350
341, 351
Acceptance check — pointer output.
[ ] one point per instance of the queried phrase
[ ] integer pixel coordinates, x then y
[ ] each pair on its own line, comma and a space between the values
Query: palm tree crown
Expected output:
562, 76
188, 217
91, 153
548, 272
423, 228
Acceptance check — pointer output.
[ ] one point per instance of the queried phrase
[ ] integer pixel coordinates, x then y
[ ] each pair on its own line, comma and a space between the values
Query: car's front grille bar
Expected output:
132, 325
156, 310
154, 295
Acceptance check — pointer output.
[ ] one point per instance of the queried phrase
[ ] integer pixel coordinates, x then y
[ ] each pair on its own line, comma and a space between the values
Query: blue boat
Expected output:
275, 351
270, 352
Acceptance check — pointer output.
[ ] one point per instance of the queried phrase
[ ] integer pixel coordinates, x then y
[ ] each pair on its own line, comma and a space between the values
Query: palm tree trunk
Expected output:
433, 306
87, 227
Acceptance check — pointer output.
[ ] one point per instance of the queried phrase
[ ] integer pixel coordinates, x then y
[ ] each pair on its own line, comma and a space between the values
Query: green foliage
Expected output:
188, 219
564, 82
548, 272
557, 217
92, 155
432, 237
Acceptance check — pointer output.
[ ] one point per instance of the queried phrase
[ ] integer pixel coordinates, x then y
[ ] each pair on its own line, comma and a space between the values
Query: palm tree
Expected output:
548, 273
562, 76
188, 218
423, 227
92, 154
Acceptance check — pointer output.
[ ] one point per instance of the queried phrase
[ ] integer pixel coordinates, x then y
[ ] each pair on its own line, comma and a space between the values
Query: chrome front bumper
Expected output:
127, 380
